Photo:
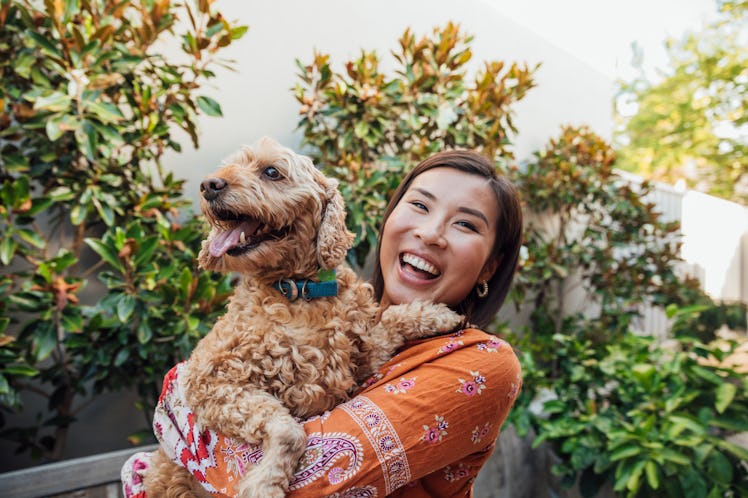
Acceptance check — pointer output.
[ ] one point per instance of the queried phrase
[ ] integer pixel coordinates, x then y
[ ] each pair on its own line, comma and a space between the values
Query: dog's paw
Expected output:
420, 319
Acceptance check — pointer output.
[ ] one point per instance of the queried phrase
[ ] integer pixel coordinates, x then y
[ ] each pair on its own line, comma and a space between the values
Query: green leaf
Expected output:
652, 476
106, 212
125, 307
634, 480
725, 395
625, 451
39, 204
23, 370
44, 341
145, 333
31, 237
121, 357
46, 46
77, 214
15, 162
54, 102
53, 127
72, 323
32, 301
7, 248
145, 250
110, 133
209, 106
643, 372
105, 111
675, 457
106, 253
361, 129
682, 422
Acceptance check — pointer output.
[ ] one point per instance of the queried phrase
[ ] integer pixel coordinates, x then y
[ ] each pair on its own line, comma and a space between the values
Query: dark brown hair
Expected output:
478, 311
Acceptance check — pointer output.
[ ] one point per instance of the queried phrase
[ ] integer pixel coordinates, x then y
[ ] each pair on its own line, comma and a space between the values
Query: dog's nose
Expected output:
212, 187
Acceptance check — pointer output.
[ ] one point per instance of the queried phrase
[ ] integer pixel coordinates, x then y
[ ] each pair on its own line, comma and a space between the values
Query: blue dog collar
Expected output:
308, 289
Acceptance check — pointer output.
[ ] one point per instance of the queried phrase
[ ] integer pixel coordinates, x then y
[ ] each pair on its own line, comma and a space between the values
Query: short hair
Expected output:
479, 311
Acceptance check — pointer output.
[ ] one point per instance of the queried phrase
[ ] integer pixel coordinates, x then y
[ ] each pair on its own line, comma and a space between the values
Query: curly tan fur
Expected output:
269, 359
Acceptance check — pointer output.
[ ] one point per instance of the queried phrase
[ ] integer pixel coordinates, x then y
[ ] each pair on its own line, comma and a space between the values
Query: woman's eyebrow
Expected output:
463, 209
425, 192
475, 213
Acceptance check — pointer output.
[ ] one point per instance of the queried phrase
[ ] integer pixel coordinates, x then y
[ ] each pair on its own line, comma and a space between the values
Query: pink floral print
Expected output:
435, 433
402, 387
451, 345
480, 432
452, 475
473, 386
492, 345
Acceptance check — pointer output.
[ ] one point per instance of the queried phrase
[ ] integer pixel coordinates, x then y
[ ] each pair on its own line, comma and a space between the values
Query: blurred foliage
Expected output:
367, 128
614, 404
87, 109
589, 228
692, 123
652, 419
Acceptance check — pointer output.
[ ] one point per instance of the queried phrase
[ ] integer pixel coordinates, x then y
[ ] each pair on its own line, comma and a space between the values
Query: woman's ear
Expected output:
489, 269
333, 238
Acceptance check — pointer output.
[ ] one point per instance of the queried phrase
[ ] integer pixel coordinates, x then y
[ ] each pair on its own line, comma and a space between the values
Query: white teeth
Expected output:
242, 238
419, 263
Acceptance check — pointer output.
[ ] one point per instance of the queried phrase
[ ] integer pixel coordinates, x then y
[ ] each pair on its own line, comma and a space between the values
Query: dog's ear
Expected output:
333, 239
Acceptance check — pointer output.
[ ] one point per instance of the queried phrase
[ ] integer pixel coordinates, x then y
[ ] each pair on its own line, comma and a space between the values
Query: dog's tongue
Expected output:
230, 238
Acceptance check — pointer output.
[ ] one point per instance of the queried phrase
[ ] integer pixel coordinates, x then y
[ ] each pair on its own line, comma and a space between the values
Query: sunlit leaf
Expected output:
209, 106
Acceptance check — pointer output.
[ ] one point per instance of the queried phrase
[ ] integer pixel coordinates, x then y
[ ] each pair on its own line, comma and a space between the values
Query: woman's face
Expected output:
438, 239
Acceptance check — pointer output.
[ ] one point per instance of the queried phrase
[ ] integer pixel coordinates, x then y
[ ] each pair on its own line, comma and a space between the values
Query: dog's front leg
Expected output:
419, 319
403, 322
283, 443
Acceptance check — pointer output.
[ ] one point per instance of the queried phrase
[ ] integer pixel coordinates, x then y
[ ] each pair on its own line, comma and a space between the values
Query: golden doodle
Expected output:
301, 330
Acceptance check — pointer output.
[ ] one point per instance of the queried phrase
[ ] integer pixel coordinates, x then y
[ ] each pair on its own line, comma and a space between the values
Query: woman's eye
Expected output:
272, 173
418, 205
468, 225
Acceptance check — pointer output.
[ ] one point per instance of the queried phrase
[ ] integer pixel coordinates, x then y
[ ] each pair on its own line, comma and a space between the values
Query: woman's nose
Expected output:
431, 233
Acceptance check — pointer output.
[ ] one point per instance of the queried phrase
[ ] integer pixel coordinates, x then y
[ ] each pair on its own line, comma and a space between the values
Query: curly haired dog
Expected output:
280, 351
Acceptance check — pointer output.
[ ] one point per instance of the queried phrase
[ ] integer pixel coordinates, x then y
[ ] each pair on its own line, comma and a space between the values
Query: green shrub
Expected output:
653, 420
88, 108
615, 406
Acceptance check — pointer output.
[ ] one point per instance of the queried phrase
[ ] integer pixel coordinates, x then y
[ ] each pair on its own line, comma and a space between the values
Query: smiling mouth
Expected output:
419, 265
239, 234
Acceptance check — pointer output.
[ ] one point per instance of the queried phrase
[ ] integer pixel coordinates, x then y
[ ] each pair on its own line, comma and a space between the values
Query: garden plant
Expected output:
647, 417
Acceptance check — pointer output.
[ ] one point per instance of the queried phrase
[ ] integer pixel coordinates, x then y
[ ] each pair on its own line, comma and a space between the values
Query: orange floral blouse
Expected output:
423, 426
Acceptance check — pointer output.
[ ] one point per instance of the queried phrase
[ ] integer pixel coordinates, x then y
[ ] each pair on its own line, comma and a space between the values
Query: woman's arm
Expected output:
429, 419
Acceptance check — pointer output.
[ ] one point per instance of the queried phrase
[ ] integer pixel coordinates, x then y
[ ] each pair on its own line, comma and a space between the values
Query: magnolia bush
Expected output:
98, 285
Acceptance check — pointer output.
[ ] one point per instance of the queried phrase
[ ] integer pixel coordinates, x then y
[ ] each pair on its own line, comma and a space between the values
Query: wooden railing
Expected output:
86, 477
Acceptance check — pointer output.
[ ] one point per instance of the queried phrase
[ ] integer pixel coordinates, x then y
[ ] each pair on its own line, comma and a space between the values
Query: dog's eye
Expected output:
272, 173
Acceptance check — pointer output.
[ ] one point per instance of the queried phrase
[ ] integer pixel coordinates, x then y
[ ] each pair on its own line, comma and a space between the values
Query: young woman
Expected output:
427, 422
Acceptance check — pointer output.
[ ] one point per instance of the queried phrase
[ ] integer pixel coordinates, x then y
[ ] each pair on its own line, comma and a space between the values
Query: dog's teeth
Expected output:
242, 238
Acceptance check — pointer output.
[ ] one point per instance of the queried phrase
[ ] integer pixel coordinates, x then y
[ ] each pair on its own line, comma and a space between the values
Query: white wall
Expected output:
257, 99
715, 232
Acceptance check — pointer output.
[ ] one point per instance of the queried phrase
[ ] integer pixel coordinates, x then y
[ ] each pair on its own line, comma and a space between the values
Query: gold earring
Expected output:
482, 289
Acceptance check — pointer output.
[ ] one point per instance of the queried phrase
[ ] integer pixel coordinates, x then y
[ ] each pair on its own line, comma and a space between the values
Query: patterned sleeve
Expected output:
423, 426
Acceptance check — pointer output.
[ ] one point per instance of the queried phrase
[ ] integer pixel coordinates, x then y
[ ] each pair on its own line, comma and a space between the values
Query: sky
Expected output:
600, 32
